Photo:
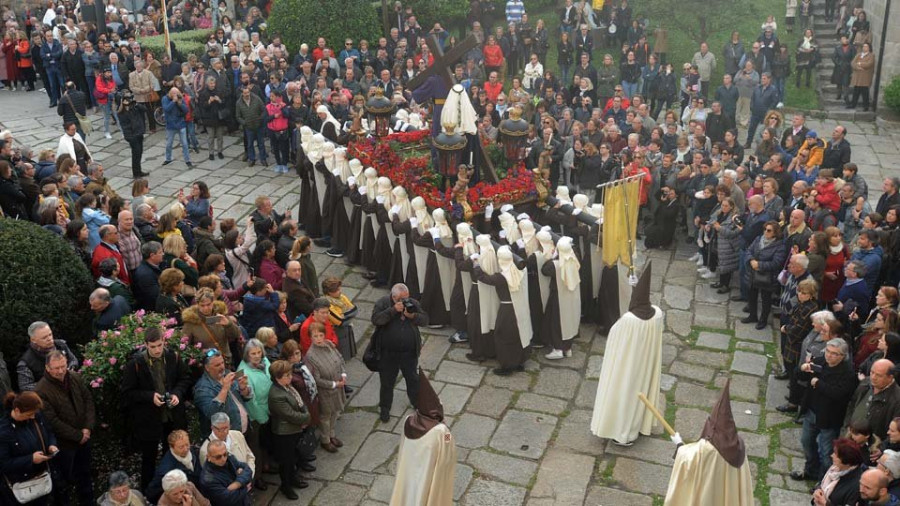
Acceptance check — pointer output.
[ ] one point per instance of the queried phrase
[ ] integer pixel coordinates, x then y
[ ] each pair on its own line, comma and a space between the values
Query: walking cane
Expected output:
674, 436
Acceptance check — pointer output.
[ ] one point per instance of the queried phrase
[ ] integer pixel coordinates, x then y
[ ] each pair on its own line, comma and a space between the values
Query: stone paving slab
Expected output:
524, 434
750, 363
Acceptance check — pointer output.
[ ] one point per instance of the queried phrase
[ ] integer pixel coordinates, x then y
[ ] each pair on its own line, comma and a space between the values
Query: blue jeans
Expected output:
817, 446
56, 84
91, 100
744, 272
564, 76
630, 89
779, 85
192, 134
170, 137
109, 109
258, 136
754, 123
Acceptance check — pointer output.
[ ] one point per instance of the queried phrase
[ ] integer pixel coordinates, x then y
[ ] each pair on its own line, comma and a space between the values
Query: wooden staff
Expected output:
656, 413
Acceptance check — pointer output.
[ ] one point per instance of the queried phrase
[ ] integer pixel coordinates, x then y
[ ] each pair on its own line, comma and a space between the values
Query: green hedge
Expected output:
299, 21
189, 42
892, 94
41, 278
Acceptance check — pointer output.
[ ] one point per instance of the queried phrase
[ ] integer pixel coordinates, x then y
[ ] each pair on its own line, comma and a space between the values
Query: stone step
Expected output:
843, 114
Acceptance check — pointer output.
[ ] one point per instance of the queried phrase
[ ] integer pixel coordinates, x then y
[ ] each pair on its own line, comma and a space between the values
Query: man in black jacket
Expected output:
285, 243
72, 101
145, 223
145, 284
833, 382
837, 152
397, 318
660, 232
876, 401
31, 365
717, 123
72, 66
154, 382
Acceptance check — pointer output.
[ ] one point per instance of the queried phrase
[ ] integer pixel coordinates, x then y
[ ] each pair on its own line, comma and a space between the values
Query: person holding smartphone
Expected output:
207, 322
26, 433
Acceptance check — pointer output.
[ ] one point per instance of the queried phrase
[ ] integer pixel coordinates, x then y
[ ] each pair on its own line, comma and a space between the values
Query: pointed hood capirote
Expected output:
640, 297
429, 410
721, 431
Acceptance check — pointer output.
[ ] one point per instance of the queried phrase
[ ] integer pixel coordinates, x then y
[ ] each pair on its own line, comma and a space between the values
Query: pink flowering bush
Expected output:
106, 357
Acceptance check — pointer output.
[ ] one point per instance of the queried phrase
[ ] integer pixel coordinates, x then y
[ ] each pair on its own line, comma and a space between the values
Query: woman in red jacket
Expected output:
104, 89
825, 192
8, 47
23, 61
493, 56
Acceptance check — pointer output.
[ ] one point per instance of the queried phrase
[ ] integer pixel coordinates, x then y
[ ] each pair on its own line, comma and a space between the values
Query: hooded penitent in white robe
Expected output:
715, 469
426, 460
702, 476
632, 364
487, 295
446, 266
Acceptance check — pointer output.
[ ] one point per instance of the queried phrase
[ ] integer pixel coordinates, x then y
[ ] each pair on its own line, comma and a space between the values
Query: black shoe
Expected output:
299, 483
252, 163
385, 415
738, 298
801, 476
746, 309
221, 156
322, 243
140, 174
690, 239
723, 289
288, 492
377, 284
348, 390
502, 371
306, 467
369, 275
850, 106
716, 285
787, 408
212, 156
783, 375
474, 358
334, 252
761, 324
747, 146
189, 164
258, 484
167, 162
749, 319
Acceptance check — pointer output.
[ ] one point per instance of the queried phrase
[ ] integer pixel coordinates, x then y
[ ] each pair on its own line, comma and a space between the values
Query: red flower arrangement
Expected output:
413, 174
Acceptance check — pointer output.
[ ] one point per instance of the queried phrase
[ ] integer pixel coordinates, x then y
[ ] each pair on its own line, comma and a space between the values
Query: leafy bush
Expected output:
41, 278
892, 94
188, 42
300, 21
429, 12
105, 357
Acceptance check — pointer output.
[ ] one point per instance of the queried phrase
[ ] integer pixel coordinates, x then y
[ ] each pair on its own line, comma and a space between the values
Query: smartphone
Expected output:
51, 454
210, 320
239, 374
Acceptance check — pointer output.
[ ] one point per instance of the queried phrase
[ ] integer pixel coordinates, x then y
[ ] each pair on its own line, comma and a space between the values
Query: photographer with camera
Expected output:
662, 230
131, 120
153, 383
397, 318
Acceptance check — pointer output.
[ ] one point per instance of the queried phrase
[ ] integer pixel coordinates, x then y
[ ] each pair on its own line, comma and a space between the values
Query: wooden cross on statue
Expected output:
443, 66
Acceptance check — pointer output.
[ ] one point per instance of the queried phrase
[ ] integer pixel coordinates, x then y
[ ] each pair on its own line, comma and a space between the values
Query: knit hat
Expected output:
812, 135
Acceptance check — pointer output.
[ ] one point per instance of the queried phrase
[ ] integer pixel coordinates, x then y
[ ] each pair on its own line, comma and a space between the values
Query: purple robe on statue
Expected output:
435, 89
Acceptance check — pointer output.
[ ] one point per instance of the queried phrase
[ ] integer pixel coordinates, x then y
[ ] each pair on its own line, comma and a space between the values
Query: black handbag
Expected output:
763, 281
307, 443
372, 356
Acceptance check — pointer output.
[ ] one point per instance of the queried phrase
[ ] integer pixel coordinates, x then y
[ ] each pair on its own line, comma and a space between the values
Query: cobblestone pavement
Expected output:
522, 439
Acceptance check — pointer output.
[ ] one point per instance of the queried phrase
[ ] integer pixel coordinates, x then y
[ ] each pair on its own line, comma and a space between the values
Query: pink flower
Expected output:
198, 345
100, 381
113, 360
192, 362
140, 312
139, 330
103, 335
105, 343
169, 322
168, 334
88, 362
94, 384
118, 333
182, 346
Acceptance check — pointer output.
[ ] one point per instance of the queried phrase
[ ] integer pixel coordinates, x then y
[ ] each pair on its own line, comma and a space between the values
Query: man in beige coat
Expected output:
141, 84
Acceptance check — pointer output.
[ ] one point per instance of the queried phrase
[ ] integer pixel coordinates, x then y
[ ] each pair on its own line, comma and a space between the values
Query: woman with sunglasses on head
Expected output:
26, 445
766, 258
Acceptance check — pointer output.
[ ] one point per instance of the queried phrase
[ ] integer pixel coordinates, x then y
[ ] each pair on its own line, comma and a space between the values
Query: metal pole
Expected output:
884, 35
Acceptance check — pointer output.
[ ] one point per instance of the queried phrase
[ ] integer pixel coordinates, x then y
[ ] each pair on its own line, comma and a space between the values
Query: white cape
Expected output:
426, 468
702, 476
632, 364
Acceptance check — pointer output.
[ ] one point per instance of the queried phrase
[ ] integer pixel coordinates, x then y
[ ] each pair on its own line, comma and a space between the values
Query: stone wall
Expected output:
891, 57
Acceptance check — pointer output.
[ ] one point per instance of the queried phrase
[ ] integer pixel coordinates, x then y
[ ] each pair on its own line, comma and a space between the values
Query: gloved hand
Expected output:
362, 190
474, 257
395, 210
502, 234
522, 216
379, 199
489, 210
521, 243
676, 438
351, 181
413, 222
336, 172
505, 208
545, 228
435, 233
576, 212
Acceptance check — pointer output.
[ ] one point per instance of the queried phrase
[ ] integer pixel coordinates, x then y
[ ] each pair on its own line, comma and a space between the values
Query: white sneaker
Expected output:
108, 136
567, 353
709, 275
554, 355
700, 261
702, 271
695, 257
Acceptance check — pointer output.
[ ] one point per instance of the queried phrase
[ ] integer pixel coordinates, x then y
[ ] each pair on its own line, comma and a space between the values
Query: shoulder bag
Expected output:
83, 121
37, 487
372, 356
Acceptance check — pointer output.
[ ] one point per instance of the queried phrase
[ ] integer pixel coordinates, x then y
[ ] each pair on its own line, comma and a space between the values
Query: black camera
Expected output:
167, 398
409, 306
739, 221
